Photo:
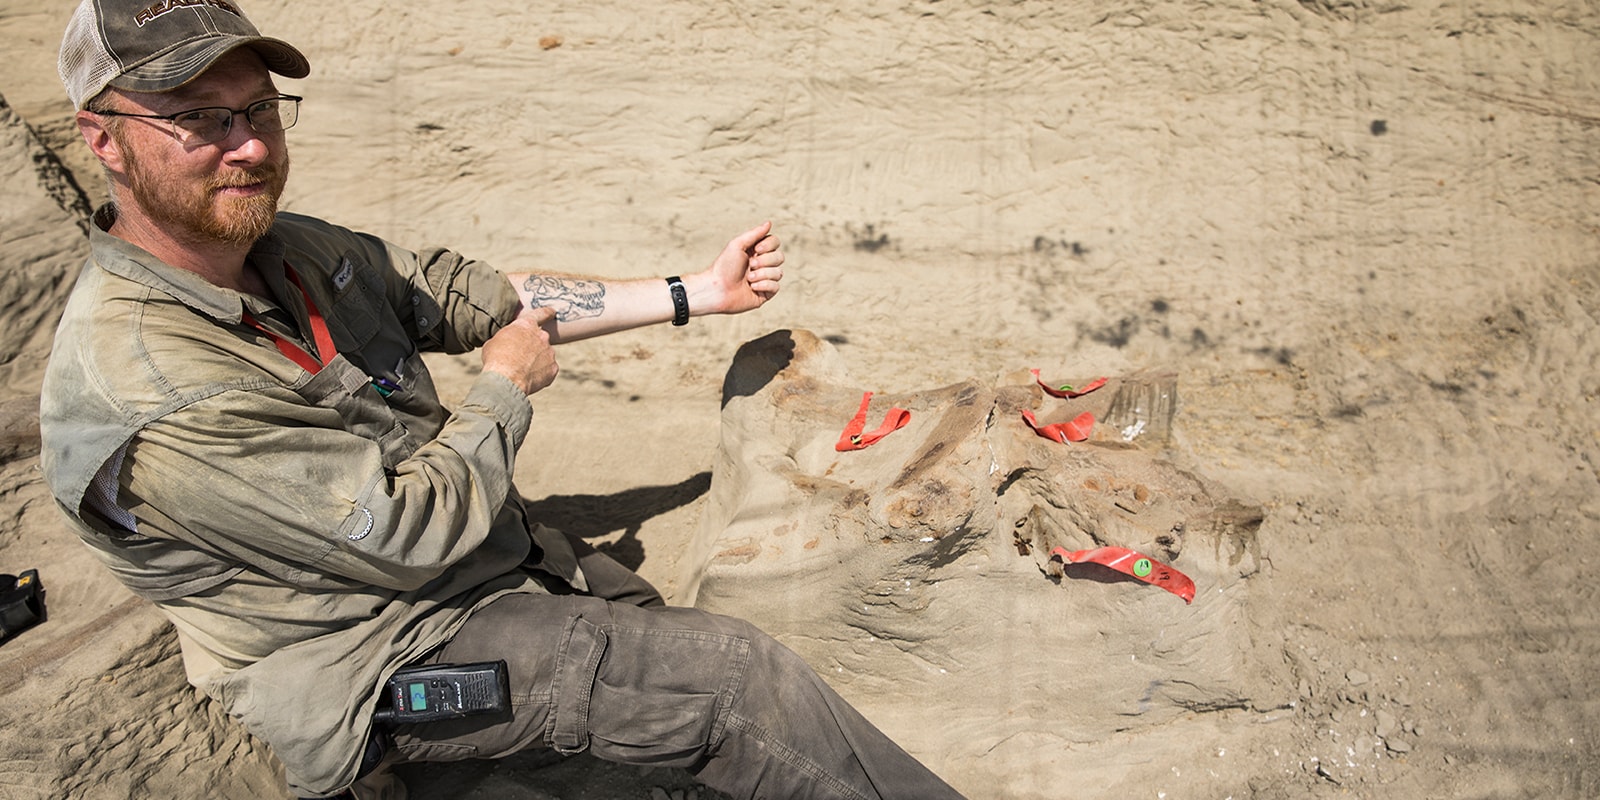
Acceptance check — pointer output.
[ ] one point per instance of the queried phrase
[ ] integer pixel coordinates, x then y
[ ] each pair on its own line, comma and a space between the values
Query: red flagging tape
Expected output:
853, 439
1132, 563
1066, 390
1073, 430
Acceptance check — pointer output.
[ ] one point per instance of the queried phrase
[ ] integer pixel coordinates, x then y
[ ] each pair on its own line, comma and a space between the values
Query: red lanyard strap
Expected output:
319, 333
853, 439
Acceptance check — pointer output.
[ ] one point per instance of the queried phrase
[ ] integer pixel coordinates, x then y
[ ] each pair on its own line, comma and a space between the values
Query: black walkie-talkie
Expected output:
446, 691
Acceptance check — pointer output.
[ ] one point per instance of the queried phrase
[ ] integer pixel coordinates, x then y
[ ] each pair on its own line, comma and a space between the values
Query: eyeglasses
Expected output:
209, 125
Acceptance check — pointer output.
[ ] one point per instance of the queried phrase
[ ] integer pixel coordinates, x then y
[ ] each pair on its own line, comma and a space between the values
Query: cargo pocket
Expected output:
577, 659
644, 695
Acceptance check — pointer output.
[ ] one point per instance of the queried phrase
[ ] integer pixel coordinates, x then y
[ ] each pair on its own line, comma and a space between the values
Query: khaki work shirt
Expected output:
306, 533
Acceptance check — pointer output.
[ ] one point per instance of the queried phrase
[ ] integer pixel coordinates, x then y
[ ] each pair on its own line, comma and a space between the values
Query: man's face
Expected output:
222, 192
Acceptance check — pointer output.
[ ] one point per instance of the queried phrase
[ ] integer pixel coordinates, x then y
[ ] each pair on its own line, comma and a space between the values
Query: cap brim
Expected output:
186, 62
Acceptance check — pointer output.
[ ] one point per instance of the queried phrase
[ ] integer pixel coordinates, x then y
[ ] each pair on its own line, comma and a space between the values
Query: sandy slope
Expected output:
1362, 234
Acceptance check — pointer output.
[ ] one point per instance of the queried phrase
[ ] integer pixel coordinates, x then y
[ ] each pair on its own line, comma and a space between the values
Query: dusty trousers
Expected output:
634, 681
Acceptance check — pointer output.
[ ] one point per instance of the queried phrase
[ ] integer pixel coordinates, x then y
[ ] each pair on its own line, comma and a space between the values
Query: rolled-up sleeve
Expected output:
456, 303
478, 297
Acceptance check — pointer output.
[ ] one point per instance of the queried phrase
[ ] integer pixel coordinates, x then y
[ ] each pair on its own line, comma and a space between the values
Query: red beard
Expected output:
198, 212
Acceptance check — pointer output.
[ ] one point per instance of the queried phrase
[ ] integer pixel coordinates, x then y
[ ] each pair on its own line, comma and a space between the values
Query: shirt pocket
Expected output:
345, 388
359, 302
366, 329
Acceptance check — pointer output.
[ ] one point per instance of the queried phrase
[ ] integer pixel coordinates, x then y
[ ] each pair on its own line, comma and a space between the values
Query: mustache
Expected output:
266, 173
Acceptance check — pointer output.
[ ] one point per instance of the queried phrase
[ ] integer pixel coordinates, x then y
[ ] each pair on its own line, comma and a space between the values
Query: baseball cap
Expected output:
159, 45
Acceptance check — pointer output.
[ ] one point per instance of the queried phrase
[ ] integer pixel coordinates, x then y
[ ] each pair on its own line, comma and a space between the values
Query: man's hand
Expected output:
521, 351
745, 275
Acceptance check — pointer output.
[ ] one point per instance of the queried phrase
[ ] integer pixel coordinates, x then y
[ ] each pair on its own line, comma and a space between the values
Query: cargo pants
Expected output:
621, 675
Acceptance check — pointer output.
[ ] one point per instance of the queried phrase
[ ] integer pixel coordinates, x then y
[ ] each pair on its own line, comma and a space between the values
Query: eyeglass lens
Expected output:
213, 124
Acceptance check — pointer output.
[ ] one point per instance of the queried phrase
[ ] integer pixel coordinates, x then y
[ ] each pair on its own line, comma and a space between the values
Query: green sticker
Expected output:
1142, 567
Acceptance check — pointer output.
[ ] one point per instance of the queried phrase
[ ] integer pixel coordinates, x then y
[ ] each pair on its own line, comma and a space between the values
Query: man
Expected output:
237, 419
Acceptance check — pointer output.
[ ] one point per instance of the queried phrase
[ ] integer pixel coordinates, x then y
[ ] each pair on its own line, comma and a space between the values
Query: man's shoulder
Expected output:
309, 241
139, 347
302, 230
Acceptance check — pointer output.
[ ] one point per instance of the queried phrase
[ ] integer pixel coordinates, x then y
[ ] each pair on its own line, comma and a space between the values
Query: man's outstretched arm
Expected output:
744, 276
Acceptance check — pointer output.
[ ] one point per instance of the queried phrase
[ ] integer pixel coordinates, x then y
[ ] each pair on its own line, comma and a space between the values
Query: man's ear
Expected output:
104, 146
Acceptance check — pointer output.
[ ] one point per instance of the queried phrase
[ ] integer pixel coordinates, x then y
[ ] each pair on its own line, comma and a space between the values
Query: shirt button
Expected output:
422, 321
415, 300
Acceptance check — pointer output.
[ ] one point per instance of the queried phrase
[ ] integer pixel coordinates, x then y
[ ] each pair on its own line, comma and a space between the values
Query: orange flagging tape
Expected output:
853, 439
1132, 563
1066, 390
1073, 430
1076, 429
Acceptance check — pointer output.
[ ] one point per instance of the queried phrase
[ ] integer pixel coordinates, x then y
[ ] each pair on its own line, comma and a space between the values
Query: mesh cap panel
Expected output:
145, 47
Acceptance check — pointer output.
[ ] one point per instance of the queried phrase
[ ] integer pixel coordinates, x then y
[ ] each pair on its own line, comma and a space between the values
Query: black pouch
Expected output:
21, 603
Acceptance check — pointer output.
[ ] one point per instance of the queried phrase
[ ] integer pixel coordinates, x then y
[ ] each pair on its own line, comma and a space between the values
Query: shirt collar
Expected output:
134, 263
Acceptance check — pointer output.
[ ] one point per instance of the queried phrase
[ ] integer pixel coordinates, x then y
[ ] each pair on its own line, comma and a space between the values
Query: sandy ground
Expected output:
1361, 234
